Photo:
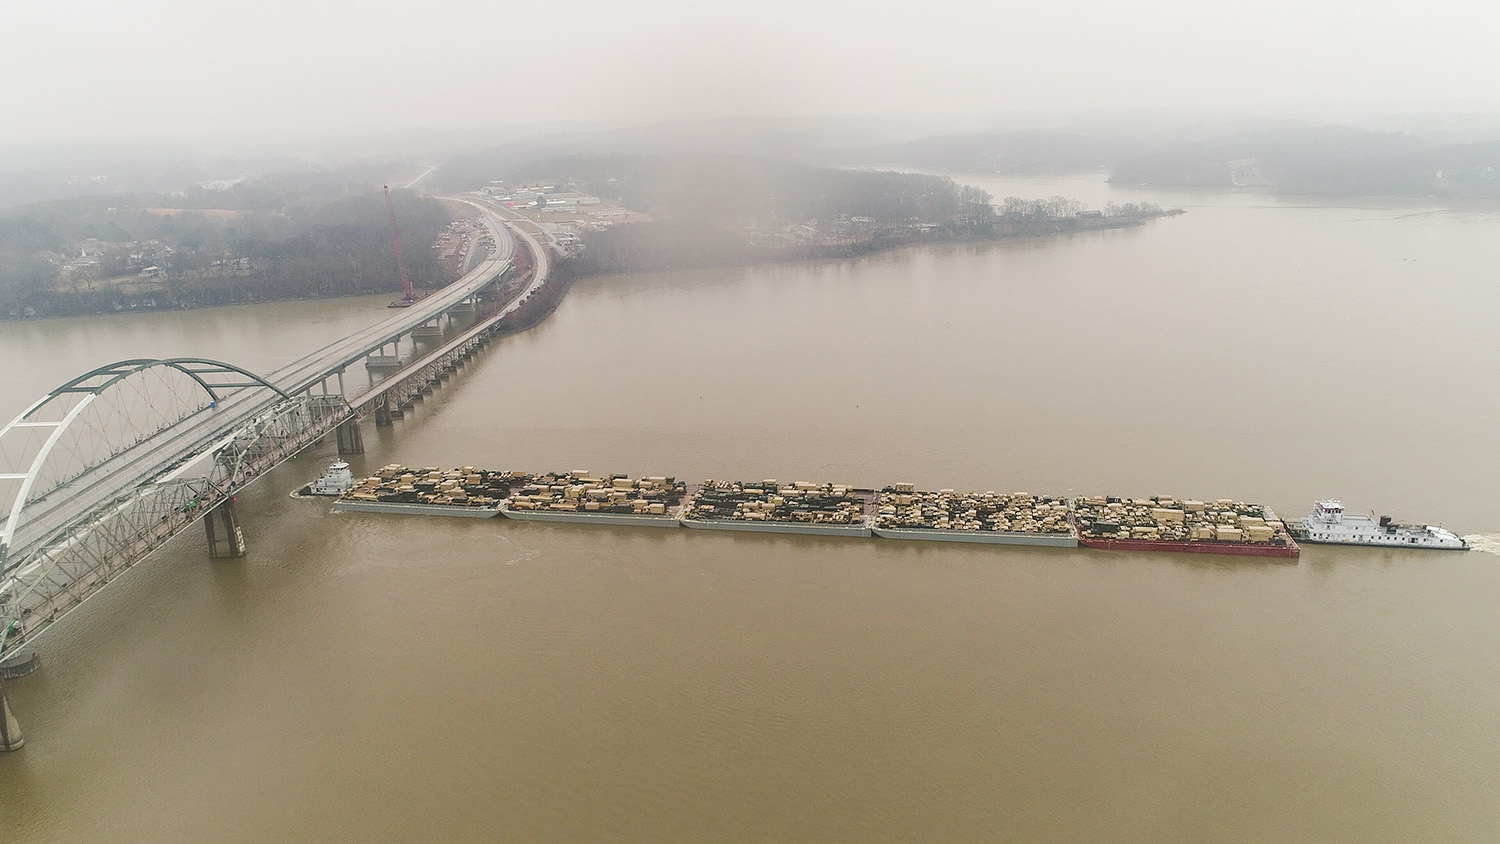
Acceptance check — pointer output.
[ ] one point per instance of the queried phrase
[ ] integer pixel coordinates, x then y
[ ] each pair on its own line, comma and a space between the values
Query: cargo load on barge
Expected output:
767, 506
986, 517
1186, 525
466, 492
581, 498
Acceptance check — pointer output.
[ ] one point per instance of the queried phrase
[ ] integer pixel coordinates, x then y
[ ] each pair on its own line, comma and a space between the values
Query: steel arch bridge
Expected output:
107, 467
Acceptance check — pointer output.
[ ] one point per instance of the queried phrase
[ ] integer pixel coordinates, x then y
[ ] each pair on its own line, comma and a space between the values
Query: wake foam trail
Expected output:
1489, 543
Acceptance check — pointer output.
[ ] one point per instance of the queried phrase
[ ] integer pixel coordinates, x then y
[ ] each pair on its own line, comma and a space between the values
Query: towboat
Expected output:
1329, 524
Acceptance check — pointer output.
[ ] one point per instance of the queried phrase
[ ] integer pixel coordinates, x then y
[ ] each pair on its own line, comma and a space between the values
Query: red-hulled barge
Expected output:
1289, 549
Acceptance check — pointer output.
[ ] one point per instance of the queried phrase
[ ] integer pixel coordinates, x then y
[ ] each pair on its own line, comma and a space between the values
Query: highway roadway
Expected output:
411, 185
543, 266
310, 370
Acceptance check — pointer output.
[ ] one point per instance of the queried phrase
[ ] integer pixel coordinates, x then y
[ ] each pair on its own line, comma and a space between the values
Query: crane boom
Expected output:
408, 294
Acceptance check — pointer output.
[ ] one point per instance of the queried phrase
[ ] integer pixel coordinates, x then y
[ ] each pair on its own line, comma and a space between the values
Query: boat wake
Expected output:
1486, 542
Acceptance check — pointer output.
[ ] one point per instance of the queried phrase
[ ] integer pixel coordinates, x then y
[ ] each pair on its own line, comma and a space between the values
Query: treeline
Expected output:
33, 174
725, 188
684, 244
710, 210
1061, 207
722, 210
273, 238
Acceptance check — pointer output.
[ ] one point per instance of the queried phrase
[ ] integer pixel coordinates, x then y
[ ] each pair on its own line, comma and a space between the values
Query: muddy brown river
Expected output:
386, 678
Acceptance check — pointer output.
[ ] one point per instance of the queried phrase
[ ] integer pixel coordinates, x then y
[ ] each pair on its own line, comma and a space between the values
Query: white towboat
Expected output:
1328, 523
335, 481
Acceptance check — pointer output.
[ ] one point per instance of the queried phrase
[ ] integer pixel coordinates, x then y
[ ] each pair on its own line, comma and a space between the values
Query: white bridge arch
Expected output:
216, 379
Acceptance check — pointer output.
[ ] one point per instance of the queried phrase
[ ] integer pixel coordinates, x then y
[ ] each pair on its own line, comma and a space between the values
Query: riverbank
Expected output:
640, 258
667, 247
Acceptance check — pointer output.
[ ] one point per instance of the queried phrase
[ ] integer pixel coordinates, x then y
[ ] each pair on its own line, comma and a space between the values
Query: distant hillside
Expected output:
277, 237
728, 188
1296, 159
1330, 161
708, 210
1019, 152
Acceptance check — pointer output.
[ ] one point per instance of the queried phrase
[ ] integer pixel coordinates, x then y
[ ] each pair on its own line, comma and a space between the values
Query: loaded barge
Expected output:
947, 516
466, 493
578, 498
765, 506
1168, 524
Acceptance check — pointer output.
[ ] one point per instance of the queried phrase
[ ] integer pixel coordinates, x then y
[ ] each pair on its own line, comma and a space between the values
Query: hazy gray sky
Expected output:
96, 69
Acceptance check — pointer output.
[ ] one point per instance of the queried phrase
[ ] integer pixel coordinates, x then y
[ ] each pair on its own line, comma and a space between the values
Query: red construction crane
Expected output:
409, 296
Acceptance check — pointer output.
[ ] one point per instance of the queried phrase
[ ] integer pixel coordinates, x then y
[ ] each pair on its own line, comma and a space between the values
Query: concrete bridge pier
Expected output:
10, 729
462, 315
429, 330
233, 543
380, 360
351, 441
15, 667
383, 412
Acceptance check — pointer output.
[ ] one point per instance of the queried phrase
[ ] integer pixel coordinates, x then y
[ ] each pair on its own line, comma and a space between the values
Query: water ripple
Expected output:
1486, 542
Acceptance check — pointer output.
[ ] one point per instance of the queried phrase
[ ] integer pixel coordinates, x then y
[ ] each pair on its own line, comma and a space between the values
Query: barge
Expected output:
1201, 546
1182, 526
861, 530
578, 498
979, 517
768, 507
583, 518
466, 492
345, 505
987, 537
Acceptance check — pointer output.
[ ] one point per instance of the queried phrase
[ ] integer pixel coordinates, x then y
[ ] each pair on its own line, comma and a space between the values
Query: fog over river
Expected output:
373, 678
